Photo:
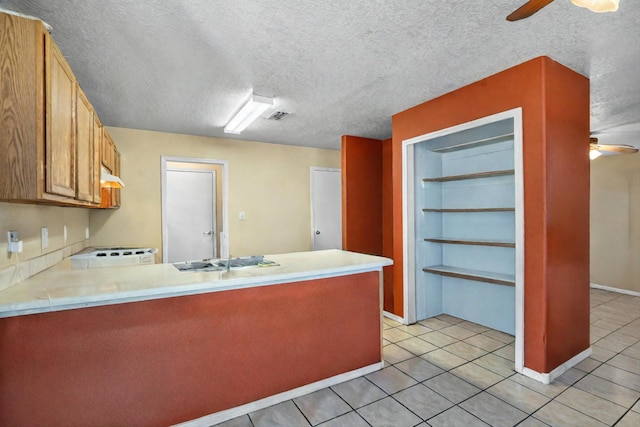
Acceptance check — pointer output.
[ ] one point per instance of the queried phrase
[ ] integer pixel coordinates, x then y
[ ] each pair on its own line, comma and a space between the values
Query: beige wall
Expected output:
615, 221
269, 182
28, 220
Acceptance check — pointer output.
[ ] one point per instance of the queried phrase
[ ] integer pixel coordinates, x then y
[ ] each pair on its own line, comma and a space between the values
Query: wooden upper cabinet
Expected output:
85, 154
108, 149
97, 162
115, 192
110, 162
21, 108
50, 136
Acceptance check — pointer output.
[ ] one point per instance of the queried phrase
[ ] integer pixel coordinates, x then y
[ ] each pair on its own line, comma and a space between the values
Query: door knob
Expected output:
207, 233
317, 231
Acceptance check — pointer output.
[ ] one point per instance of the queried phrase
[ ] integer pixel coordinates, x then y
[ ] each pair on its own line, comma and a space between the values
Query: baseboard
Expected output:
228, 414
393, 317
547, 378
617, 290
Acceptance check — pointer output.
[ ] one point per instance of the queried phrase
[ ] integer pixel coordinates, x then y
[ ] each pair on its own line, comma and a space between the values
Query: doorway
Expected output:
326, 208
194, 209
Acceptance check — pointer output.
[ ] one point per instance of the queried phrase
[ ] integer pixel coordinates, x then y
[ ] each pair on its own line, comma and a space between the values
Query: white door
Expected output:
326, 208
190, 211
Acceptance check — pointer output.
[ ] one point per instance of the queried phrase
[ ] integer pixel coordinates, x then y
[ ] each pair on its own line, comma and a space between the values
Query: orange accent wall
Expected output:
568, 170
387, 222
170, 360
362, 195
367, 202
555, 104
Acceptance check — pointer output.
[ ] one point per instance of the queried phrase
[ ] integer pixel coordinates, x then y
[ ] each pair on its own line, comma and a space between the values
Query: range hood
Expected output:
108, 180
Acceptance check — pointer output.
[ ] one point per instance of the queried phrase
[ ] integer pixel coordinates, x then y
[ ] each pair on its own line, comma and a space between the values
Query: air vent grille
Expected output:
277, 115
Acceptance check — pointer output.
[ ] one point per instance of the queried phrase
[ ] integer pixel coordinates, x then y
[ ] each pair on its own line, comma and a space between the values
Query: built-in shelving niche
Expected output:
465, 231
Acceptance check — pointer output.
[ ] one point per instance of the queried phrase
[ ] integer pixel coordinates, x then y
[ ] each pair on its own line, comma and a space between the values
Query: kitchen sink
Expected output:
222, 264
197, 266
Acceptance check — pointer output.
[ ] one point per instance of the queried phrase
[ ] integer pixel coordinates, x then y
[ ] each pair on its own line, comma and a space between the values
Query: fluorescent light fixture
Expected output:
598, 5
247, 114
594, 154
110, 181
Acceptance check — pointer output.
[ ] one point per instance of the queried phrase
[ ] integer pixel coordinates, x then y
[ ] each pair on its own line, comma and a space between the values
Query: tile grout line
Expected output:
301, 412
462, 379
626, 412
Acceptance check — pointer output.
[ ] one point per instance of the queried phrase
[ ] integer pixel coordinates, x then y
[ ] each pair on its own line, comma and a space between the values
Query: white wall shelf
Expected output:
455, 146
477, 175
470, 210
497, 243
475, 275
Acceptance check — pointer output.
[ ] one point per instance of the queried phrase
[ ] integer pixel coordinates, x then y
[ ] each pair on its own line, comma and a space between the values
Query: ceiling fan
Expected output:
532, 6
595, 149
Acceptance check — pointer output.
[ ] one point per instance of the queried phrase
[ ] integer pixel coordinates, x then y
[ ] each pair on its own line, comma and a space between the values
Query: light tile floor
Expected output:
448, 372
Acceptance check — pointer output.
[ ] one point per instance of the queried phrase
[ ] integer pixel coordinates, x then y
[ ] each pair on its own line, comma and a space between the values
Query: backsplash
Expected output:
22, 270
67, 234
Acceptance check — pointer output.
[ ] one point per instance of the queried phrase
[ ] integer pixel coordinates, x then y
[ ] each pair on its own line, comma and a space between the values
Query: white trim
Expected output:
408, 233
393, 317
408, 219
518, 161
616, 290
224, 233
229, 414
311, 171
549, 377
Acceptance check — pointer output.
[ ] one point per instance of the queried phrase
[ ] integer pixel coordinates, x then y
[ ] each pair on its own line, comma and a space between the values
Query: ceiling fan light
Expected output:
594, 154
598, 5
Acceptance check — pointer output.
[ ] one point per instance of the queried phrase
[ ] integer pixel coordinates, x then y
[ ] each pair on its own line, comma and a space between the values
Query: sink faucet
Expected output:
229, 262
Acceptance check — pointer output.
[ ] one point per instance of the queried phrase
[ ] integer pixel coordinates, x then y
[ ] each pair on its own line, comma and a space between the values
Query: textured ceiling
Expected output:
340, 67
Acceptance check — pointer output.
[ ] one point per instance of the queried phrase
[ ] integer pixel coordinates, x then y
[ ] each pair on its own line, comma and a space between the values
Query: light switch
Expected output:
64, 232
45, 237
241, 216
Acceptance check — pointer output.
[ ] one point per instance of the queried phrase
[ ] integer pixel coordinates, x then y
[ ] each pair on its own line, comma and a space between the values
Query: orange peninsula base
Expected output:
171, 360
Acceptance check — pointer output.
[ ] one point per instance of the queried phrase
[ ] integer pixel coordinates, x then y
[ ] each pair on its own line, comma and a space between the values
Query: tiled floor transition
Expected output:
445, 371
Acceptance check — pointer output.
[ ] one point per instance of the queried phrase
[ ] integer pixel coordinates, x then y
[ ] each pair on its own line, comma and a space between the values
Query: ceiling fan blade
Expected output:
528, 9
620, 149
617, 148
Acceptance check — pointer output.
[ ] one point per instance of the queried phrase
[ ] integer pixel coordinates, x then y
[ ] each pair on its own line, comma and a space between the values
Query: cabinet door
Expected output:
21, 99
60, 147
111, 162
97, 163
115, 192
107, 151
84, 148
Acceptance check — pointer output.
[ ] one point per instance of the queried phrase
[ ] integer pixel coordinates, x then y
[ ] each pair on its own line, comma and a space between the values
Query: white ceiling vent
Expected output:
277, 115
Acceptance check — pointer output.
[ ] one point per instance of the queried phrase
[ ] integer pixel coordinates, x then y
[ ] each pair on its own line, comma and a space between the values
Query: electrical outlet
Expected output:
45, 237
13, 244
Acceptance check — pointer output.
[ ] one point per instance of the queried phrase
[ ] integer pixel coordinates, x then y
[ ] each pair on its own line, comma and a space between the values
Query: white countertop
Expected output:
61, 288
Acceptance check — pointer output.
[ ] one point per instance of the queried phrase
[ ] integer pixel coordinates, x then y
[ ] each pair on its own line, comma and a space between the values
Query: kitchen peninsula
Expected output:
150, 345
